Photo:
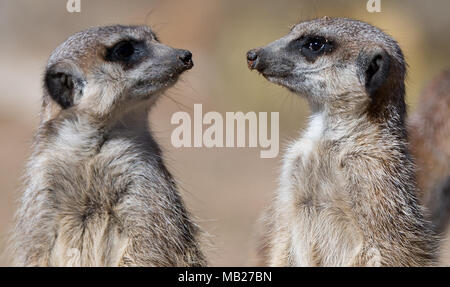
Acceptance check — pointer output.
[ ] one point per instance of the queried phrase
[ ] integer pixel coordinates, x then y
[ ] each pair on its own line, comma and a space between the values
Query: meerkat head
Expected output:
337, 62
106, 69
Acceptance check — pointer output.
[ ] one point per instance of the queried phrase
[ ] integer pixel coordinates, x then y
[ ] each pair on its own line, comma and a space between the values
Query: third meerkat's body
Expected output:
429, 129
347, 193
97, 191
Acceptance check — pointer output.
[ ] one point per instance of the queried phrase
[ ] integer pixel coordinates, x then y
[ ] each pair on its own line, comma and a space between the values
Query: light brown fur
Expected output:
347, 193
97, 192
429, 130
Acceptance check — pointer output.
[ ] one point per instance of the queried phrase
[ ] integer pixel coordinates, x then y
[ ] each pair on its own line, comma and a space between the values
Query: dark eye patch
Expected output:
312, 47
127, 52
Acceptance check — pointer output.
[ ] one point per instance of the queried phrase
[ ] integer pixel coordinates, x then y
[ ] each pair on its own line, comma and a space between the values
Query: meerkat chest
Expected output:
322, 229
311, 162
83, 184
312, 175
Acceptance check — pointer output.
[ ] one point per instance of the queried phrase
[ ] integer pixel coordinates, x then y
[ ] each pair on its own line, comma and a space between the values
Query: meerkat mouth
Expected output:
280, 82
270, 73
276, 79
156, 86
251, 64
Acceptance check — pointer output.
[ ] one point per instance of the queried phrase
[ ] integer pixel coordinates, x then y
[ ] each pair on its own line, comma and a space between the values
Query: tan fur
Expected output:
429, 130
97, 192
347, 193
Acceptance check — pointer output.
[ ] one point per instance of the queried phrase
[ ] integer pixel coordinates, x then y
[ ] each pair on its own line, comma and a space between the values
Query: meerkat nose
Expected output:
186, 57
252, 55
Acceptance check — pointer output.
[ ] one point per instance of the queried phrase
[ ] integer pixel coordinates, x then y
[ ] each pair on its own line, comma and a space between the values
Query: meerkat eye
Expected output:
127, 52
122, 51
316, 45
312, 47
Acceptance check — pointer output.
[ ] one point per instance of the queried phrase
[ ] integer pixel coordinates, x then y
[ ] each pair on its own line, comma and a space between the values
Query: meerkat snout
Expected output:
186, 57
252, 55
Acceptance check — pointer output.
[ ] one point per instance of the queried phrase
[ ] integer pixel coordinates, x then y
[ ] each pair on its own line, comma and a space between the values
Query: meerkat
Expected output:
347, 195
429, 134
97, 192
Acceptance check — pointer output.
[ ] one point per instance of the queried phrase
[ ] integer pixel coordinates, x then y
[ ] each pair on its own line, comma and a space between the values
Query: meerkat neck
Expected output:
85, 131
133, 120
130, 119
325, 124
340, 117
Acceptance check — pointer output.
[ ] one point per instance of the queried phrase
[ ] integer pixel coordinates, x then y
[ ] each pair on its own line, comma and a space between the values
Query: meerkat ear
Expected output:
374, 68
63, 83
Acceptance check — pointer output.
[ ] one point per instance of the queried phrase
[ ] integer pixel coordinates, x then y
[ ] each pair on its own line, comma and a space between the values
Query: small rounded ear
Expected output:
63, 83
374, 68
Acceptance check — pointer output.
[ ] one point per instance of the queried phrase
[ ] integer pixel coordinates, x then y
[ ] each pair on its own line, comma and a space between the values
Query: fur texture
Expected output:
97, 192
348, 194
429, 129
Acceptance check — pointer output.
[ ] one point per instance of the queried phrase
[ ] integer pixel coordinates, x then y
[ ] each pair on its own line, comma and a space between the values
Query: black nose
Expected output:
186, 57
252, 56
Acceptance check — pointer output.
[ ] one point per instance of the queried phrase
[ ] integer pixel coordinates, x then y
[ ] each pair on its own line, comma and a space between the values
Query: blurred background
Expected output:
227, 189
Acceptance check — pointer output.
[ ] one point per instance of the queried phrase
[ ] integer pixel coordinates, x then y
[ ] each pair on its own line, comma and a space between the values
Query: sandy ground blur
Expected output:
225, 188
